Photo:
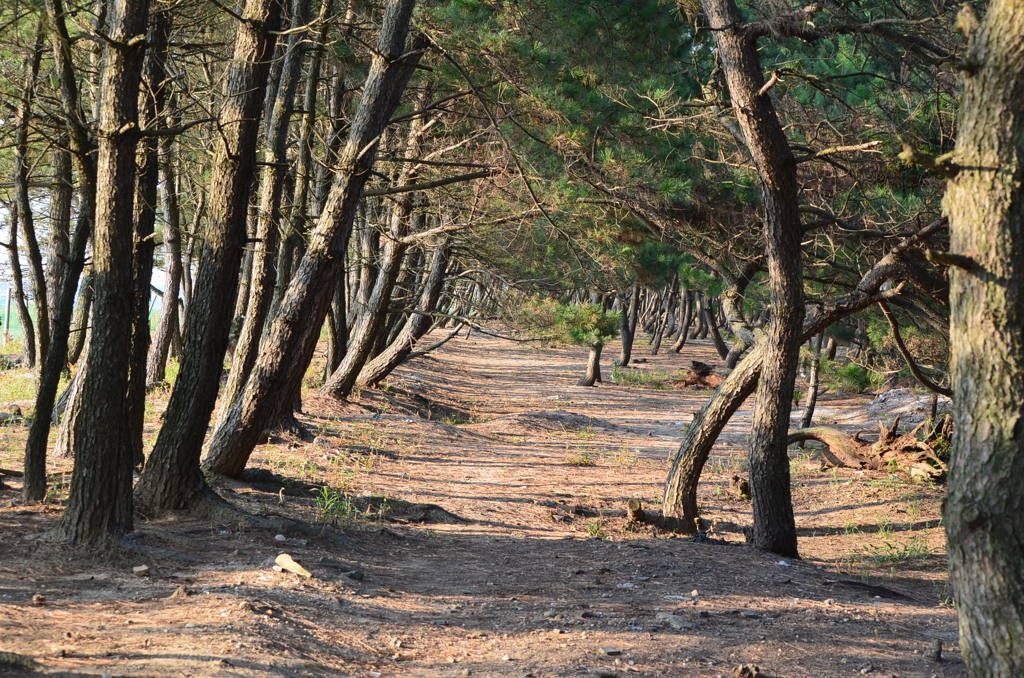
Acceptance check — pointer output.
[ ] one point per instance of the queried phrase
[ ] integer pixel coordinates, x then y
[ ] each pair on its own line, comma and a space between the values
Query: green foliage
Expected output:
333, 506
577, 324
850, 378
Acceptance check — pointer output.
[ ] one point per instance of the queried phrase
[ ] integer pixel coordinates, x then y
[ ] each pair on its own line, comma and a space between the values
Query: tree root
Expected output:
636, 514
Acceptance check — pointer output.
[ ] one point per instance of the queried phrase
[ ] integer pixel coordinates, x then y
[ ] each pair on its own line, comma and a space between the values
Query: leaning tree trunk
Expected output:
291, 339
716, 336
269, 212
64, 347
984, 512
152, 104
172, 479
100, 503
774, 525
593, 373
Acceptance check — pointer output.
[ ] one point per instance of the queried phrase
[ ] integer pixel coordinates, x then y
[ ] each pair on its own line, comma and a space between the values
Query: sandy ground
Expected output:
539, 574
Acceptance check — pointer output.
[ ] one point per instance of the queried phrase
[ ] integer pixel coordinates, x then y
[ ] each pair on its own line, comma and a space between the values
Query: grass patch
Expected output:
627, 376
580, 459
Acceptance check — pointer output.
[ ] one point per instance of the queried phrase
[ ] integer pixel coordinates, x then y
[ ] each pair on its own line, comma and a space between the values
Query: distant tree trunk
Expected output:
774, 525
24, 203
415, 327
18, 288
628, 331
830, 348
80, 323
593, 374
292, 336
369, 325
716, 336
59, 242
172, 479
168, 324
984, 510
687, 322
811, 397
100, 502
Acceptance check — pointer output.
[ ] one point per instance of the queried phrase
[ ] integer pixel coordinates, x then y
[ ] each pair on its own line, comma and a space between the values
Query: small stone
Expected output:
280, 537
506, 658
611, 651
694, 593
675, 621
141, 570
553, 614
626, 585
38, 599
867, 668
750, 614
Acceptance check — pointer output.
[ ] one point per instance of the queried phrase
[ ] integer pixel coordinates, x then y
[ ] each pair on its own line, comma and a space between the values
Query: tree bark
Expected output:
984, 511
172, 479
100, 502
296, 325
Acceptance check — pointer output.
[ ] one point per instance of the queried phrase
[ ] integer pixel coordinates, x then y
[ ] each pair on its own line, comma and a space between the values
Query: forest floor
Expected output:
534, 570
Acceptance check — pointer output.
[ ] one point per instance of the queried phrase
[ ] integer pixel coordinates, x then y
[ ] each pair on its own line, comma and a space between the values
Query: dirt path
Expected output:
542, 577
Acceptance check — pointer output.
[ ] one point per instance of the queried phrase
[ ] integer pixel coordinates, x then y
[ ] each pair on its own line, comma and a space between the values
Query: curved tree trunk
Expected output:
811, 398
684, 328
774, 525
593, 374
984, 511
716, 336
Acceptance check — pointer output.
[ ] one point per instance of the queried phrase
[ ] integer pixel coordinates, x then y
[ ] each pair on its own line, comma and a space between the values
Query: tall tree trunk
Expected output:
293, 332
100, 502
152, 104
774, 525
172, 479
984, 511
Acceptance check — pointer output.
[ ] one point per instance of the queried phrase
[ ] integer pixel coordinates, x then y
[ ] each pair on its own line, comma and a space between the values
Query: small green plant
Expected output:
890, 552
596, 529
333, 506
626, 376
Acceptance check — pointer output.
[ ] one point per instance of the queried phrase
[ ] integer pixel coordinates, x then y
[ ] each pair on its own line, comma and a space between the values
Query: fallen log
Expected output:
702, 375
905, 453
